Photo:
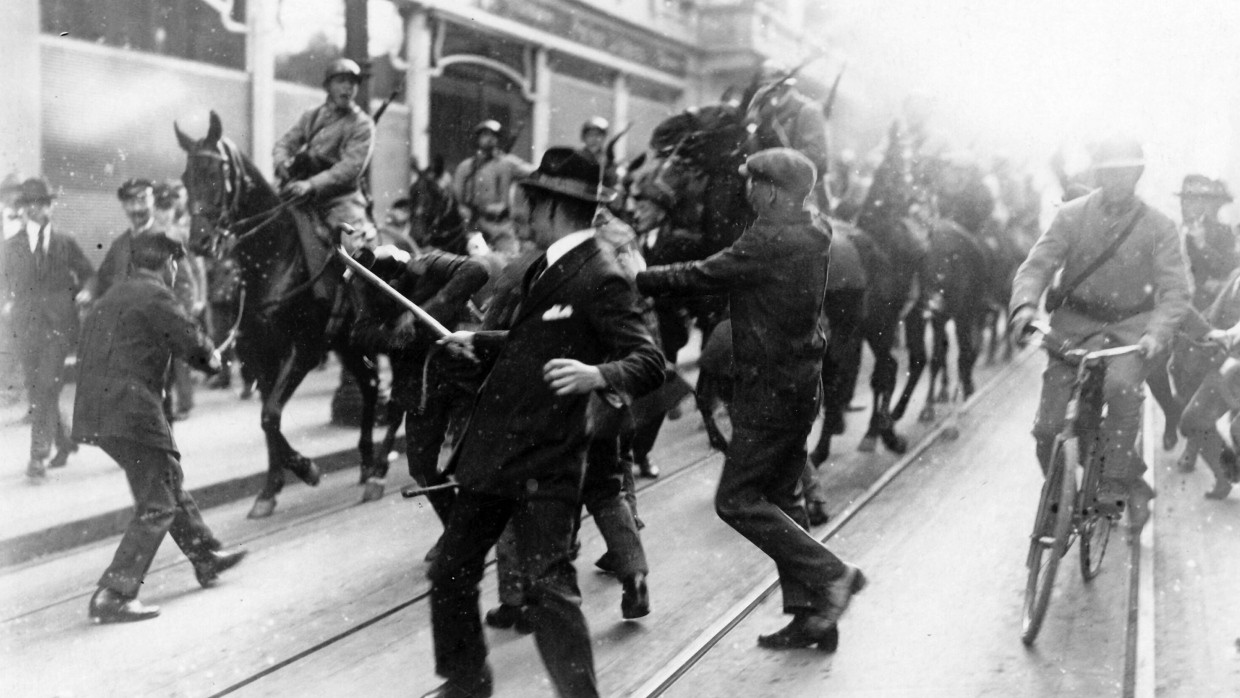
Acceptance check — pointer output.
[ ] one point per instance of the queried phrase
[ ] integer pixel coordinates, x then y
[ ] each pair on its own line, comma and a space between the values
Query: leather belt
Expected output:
1104, 312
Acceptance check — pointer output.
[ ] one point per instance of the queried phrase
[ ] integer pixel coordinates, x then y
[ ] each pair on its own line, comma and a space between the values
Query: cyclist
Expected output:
1123, 279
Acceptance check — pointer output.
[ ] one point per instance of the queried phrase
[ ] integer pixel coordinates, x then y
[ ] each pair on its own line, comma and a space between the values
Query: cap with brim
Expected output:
35, 190
158, 243
785, 168
1197, 186
567, 172
132, 188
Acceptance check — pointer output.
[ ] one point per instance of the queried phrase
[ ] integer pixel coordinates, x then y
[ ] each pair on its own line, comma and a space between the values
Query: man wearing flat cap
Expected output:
775, 276
1122, 276
1209, 243
575, 330
135, 330
44, 269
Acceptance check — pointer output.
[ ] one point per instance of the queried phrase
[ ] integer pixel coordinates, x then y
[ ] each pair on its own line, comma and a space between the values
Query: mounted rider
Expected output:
324, 156
483, 181
784, 117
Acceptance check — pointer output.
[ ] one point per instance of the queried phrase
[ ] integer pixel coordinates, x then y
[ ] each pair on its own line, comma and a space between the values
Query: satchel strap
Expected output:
1106, 255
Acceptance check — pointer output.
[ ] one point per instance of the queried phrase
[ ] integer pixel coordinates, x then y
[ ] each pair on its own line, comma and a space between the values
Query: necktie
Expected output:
540, 268
40, 253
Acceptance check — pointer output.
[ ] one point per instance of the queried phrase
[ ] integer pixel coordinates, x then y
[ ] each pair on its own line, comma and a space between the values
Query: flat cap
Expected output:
157, 245
786, 168
133, 188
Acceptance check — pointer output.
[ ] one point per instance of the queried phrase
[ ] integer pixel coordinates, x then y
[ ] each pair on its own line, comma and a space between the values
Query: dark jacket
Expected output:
43, 299
1211, 261
775, 276
128, 340
442, 289
522, 438
116, 268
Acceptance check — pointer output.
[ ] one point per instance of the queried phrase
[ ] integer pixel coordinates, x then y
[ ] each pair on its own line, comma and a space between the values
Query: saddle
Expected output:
317, 244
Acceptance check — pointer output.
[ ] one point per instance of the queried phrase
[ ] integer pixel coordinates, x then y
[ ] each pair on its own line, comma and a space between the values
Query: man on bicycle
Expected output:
1123, 278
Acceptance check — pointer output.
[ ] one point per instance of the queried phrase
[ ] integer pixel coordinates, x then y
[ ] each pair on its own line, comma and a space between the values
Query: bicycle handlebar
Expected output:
1066, 349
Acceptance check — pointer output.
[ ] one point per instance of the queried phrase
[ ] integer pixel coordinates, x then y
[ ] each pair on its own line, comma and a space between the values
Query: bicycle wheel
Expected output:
1095, 533
1049, 540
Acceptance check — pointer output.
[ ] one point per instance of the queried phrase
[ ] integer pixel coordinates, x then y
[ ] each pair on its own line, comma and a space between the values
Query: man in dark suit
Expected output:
43, 272
131, 336
775, 276
522, 457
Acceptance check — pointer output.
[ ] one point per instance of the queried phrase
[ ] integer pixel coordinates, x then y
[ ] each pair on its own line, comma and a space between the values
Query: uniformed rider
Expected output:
483, 180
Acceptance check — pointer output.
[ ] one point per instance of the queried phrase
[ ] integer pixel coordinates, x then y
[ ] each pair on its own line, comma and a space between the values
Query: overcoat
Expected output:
127, 342
522, 438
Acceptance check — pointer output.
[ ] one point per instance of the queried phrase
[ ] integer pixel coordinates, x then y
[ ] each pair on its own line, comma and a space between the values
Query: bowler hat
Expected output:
1198, 186
35, 190
133, 188
1117, 152
568, 172
785, 168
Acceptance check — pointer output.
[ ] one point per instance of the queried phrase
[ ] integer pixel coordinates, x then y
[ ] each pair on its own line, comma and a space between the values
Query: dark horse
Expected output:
293, 311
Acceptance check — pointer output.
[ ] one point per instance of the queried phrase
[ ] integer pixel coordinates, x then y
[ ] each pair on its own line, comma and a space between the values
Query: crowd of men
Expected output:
557, 335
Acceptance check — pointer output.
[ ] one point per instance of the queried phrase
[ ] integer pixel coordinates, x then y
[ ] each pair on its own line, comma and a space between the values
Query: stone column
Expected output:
540, 126
261, 64
418, 84
620, 112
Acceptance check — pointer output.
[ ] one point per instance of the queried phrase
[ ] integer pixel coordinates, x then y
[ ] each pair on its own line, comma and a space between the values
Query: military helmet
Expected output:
1117, 152
343, 66
489, 125
596, 123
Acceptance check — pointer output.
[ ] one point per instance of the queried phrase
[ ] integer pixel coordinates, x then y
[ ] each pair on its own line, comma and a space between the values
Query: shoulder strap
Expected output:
1106, 254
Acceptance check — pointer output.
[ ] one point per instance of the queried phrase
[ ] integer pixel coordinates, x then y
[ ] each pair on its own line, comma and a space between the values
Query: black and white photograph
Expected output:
619, 348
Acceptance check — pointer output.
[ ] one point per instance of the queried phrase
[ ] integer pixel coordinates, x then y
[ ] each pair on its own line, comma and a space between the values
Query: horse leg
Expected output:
939, 357
395, 417
883, 384
292, 369
915, 338
969, 342
372, 471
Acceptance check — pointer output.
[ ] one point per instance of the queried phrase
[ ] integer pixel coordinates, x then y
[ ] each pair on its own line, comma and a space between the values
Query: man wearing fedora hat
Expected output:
576, 329
1123, 276
44, 269
482, 184
324, 155
775, 275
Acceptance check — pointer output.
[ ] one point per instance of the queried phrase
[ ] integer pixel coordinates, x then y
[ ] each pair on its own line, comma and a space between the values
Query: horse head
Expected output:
435, 219
223, 187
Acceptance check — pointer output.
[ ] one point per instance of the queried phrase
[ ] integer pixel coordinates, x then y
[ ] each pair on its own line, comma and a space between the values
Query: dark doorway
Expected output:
466, 94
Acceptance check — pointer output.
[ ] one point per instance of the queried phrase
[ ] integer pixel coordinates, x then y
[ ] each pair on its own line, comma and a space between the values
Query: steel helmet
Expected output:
343, 66
489, 125
596, 123
1118, 151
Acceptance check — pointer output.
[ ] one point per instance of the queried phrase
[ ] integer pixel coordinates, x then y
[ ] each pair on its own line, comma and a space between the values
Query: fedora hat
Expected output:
35, 190
569, 172
1198, 186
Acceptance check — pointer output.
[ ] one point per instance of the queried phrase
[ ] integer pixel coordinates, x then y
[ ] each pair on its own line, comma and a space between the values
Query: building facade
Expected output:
102, 81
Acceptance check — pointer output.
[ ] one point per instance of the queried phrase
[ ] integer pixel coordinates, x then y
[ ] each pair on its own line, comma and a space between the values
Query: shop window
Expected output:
188, 29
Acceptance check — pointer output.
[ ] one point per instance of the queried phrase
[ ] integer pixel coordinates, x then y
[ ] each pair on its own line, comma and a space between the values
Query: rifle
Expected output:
386, 103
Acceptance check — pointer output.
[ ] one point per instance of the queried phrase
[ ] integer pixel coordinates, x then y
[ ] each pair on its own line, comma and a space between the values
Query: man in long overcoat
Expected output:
522, 457
44, 269
128, 341
775, 276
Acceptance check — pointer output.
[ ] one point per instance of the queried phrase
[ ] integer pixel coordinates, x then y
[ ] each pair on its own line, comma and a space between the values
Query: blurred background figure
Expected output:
44, 269
172, 218
1210, 243
10, 371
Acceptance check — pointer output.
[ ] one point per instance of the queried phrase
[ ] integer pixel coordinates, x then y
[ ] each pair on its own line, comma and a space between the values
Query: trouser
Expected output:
758, 496
161, 505
542, 529
178, 389
1218, 394
1123, 394
447, 405
43, 363
605, 496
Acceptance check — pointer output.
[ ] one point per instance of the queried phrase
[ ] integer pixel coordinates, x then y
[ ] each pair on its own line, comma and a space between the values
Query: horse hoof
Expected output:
927, 414
307, 470
817, 458
262, 508
1170, 439
868, 444
896, 444
718, 443
373, 491
1222, 488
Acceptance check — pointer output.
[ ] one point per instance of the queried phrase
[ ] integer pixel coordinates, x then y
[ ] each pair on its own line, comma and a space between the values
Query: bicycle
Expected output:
1074, 473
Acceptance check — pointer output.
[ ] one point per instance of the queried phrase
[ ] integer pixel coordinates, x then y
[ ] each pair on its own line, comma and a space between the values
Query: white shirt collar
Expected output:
564, 245
32, 236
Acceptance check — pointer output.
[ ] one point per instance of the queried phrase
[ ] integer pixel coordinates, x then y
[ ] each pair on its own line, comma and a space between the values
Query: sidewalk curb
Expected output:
73, 534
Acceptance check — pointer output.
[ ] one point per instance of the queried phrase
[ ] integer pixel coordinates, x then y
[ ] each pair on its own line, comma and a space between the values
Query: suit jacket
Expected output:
522, 439
128, 340
116, 268
775, 275
1148, 267
43, 299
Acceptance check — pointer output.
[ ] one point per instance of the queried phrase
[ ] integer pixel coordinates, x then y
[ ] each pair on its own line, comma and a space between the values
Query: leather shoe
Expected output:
36, 470
806, 629
208, 570
840, 591
480, 686
817, 512
505, 616
62, 456
433, 554
647, 469
108, 606
635, 601
607, 563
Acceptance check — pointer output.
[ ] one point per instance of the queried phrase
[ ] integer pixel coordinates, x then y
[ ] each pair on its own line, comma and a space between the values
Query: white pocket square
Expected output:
558, 312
